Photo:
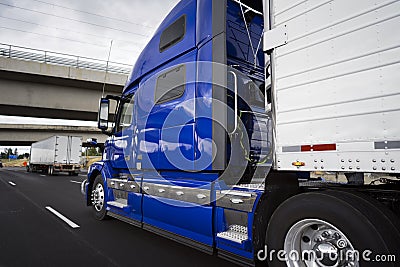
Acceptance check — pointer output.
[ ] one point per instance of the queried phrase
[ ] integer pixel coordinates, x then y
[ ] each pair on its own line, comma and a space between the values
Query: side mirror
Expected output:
103, 114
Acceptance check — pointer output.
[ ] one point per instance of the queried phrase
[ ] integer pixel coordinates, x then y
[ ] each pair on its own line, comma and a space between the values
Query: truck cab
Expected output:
191, 125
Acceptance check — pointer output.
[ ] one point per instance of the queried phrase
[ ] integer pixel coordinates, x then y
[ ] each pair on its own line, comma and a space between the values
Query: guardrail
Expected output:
48, 57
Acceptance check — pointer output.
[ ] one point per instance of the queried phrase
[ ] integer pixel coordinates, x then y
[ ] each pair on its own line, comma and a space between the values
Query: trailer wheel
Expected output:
98, 199
330, 228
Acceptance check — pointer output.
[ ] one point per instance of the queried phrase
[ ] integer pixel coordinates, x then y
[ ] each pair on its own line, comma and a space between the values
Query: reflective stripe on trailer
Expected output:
309, 148
383, 145
324, 147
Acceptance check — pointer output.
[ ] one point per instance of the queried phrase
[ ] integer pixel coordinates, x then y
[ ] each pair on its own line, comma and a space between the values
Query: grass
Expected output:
14, 163
20, 162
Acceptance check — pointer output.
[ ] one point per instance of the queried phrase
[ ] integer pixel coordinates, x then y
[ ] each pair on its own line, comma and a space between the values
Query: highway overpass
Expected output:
42, 90
42, 84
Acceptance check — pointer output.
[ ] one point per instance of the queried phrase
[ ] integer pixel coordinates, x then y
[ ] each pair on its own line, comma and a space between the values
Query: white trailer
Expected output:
335, 81
56, 154
334, 72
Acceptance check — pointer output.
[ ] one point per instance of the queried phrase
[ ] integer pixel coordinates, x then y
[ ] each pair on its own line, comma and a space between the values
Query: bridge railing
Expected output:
48, 57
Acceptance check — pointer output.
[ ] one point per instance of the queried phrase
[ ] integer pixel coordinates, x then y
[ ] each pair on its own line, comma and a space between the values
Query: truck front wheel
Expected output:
98, 199
331, 228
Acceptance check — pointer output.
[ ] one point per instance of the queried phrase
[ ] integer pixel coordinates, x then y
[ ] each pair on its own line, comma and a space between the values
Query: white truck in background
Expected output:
56, 154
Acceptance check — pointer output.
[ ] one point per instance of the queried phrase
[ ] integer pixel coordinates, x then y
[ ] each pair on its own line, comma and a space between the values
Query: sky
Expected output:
80, 27
83, 27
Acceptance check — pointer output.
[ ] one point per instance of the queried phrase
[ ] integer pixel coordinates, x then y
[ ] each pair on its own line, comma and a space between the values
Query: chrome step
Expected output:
118, 203
235, 233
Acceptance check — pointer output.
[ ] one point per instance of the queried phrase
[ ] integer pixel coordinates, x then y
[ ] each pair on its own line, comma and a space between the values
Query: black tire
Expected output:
50, 170
366, 224
28, 169
99, 214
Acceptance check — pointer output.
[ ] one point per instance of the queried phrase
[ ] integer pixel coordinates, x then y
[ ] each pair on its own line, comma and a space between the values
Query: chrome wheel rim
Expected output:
316, 243
98, 197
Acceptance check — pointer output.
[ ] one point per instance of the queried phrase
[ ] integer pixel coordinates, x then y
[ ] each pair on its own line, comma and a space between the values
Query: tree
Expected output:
92, 151
3, 154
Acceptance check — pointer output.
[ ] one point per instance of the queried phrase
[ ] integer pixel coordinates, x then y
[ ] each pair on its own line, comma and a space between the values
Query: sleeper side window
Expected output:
170, 85
173, 34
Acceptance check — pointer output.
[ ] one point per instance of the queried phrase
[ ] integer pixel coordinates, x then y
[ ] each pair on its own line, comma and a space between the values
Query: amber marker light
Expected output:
299, 164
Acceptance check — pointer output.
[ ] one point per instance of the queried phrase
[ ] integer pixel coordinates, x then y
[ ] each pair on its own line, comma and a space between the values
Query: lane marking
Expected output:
62, 217
11, 183
75, 182
43, 175
82, 175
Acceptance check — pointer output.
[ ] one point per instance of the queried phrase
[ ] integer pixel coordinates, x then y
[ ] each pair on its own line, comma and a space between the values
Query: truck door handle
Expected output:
146, 188
180, 193
161, 190
236, 200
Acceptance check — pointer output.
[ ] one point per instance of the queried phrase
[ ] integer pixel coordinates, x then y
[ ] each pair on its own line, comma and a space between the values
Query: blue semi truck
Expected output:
245, 130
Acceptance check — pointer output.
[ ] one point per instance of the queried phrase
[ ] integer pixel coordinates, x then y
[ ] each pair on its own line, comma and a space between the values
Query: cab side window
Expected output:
125, 115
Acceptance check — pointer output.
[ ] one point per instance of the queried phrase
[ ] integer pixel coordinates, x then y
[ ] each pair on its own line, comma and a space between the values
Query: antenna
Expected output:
105, 75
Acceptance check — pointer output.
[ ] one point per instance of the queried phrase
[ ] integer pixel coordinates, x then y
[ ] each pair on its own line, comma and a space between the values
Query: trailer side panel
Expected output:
336, 85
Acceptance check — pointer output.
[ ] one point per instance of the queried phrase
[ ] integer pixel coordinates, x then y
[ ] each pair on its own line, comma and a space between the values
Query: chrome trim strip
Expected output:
123, 184
235, 193
236, 200
180, 193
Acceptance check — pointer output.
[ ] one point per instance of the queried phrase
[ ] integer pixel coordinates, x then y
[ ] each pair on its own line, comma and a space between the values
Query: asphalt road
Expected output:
30, 235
